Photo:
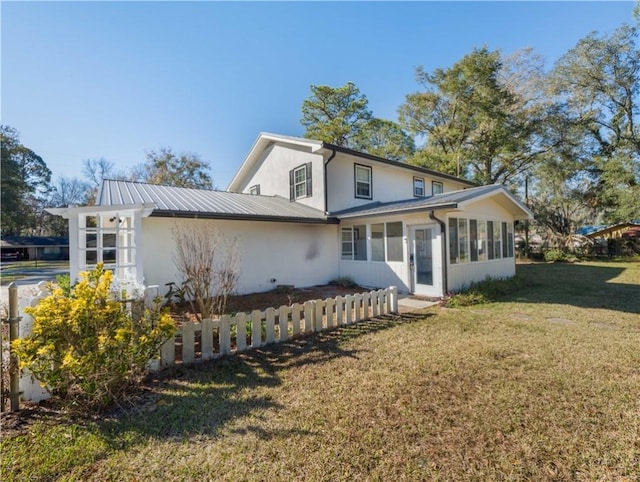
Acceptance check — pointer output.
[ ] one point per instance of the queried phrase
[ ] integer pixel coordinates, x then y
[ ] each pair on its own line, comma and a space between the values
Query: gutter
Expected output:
159, 213
443, 228
326, 195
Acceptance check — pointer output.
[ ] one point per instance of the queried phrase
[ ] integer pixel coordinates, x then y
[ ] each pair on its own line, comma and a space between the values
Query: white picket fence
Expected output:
233, 334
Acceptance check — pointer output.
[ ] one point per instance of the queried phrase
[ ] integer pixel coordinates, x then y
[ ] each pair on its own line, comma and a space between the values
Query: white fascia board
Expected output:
69, 211
260, 144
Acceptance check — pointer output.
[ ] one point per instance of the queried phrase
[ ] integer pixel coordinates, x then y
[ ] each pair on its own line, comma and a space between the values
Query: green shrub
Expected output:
554, 256
86, 347
488, 290
344, 282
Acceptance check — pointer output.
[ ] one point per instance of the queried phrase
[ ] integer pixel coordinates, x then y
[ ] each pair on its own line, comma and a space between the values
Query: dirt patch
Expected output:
279, 297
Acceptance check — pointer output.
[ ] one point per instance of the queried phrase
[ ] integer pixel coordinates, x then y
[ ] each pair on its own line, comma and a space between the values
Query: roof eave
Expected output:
68, 211
386, 212
402, 165
242, 217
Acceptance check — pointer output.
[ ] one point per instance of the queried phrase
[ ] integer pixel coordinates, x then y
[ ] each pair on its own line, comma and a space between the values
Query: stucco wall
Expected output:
272, 174
295, 254
389, 183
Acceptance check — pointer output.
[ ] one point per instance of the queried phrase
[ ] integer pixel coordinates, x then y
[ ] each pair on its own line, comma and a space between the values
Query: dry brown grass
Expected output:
531, 388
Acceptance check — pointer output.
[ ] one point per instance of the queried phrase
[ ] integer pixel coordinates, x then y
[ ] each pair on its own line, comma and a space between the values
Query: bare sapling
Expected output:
208, 264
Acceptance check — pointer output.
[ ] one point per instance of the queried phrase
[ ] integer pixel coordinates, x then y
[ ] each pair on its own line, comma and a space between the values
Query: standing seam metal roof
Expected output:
180, 201
445, 200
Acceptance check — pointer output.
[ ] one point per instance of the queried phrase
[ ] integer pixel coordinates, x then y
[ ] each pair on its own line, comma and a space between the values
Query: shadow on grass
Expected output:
581, 285
201, 400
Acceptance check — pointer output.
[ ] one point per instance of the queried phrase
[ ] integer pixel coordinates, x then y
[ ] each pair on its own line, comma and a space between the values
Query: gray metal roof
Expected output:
185, 202
449, 200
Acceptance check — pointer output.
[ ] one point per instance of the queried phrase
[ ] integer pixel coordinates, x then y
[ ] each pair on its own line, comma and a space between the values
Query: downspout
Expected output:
326, 196
443, 228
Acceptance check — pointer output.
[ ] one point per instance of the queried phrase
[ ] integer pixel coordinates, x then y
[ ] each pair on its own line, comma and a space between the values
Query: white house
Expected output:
306, 212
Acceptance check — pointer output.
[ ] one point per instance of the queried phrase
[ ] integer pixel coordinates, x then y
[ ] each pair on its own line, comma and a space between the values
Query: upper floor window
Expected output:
436, 188
363, 186
255, 190
300, 182
418, 187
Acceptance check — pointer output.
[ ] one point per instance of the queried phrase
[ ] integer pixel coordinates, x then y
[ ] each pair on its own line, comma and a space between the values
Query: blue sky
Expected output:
115, 79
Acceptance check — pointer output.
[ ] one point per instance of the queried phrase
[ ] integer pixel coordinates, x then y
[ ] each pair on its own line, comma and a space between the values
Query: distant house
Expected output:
307, 212
621, 230
13, 248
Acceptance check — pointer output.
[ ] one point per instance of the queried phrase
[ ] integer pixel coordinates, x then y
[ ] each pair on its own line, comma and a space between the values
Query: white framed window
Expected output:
300, 182
463, 241
436, 188
363, 181
377, 242
510, 240
453, 240
255, 190
497, 240
394, 240
418, 187
354, 243
108, 238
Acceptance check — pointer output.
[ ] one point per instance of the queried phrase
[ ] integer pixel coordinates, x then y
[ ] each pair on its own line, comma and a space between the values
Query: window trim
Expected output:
436, 183
353, 242
415, 194
355, 181
489, 244
306, 168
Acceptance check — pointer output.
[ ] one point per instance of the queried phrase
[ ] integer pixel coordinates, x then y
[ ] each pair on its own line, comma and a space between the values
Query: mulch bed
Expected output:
277, 298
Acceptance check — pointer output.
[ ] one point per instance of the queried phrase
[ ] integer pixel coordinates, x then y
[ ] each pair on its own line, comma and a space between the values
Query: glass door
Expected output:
424, 267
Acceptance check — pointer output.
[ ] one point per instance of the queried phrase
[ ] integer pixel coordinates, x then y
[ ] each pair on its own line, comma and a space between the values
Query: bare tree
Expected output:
209, 265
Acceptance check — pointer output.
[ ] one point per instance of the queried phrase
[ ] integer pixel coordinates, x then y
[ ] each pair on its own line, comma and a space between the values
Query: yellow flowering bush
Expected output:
86, 346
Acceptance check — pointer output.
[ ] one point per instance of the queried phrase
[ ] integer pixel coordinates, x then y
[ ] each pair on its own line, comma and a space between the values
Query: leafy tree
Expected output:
477, 117
598, 82
558, 200
340, 116
335, 114
384, 138
181, 170
25, 183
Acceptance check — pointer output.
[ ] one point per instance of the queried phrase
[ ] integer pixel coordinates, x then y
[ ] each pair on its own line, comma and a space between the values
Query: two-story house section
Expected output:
299, 169
305, 212
400, 225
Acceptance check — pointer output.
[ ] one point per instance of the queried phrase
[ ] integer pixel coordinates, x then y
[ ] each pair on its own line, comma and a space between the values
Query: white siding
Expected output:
295, 254
272, 174
389, 183
460, 275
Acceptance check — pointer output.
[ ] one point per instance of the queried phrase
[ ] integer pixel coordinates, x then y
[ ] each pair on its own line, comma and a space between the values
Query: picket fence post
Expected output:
394, 299
14, 373
241, 332
309, 312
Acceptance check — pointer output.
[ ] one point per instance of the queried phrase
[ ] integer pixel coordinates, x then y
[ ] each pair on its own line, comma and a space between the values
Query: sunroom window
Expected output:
108, 238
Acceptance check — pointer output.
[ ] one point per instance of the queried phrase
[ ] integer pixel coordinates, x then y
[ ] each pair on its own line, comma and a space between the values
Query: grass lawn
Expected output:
544, 385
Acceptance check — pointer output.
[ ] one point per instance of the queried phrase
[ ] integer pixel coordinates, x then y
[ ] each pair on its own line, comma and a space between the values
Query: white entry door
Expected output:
425, 261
